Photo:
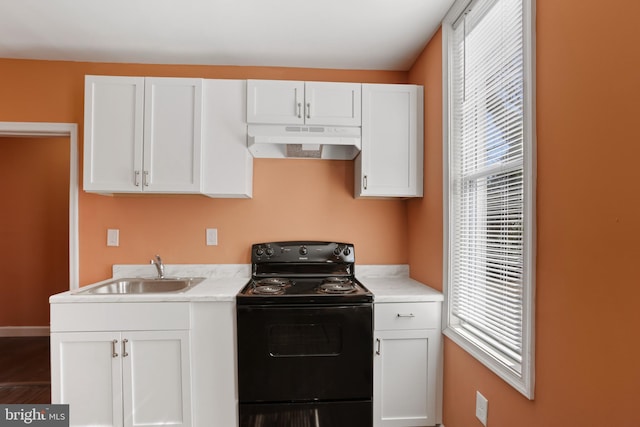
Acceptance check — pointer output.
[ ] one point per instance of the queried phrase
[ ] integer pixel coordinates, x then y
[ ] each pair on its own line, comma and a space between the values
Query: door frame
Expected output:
45, 130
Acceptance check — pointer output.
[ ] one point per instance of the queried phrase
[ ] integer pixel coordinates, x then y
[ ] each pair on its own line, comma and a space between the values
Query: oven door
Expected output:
302, 353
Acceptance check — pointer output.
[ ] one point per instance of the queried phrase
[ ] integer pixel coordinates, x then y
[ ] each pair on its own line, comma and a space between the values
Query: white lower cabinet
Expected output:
133, 378
121, 377
145, 363
213, 345
407, 346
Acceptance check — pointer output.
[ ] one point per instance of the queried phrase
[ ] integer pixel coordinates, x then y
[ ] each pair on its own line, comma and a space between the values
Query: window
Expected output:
489, 184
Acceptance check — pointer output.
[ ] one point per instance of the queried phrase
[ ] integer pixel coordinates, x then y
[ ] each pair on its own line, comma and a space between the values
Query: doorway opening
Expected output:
56, 132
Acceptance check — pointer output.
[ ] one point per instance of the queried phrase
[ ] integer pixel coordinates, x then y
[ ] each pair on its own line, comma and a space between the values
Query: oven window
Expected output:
296, 340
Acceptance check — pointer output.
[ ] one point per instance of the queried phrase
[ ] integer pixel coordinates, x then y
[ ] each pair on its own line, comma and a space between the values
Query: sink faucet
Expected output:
159, 266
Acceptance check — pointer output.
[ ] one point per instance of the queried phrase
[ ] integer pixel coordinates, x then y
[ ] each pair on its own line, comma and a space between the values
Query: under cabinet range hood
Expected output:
293, 141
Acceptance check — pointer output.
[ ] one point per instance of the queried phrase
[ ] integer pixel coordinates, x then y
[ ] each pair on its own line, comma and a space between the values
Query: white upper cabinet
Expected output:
172, 135
275, 101
337, 104
227, 163
142, 134
113, 133
304, 103
390, 163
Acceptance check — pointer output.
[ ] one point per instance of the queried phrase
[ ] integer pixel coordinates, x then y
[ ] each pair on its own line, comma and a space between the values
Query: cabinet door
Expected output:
275, 102
113, 133
404, 379
332, 104
86, 373
214, 359
228, 163
390, 163
156, 378
172, 135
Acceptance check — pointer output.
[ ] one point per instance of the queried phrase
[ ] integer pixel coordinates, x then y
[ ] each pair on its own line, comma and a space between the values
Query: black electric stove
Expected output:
305, 338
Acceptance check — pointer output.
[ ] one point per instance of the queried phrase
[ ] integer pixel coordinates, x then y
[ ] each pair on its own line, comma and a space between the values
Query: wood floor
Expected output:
25, 371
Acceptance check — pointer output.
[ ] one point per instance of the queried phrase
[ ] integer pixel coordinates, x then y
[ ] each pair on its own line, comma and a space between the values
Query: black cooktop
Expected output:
303, 272
303, 291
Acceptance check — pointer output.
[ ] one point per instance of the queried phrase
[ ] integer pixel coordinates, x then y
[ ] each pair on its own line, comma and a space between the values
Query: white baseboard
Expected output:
24, 331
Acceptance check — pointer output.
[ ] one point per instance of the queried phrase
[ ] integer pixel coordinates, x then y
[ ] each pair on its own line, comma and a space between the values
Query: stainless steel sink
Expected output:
143, 286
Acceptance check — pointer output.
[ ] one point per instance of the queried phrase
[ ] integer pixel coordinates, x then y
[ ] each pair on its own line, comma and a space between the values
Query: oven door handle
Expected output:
378, 344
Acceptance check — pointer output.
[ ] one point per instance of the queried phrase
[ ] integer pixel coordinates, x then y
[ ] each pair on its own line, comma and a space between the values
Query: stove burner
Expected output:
275, 281
337, 285
268, 290
271, 286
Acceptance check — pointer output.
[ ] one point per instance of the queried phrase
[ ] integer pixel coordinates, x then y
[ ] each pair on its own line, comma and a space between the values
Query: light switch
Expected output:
113, 237
212, 237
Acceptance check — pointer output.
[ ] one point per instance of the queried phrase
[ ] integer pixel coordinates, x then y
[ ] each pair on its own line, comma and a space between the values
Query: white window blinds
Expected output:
487, 236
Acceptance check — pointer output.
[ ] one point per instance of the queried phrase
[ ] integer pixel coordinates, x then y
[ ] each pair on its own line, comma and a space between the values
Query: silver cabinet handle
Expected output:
378, 346
364, 182
299, 110
406, 315
145, 179
113, 348
136, 178
124, 347
308, 110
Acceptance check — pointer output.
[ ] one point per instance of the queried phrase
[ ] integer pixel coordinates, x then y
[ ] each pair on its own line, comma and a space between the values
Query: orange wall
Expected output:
293, 199
34, 227
425, 214
588, 215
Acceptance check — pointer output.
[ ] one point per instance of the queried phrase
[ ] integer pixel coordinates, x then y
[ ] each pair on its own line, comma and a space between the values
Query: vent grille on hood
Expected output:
318, 142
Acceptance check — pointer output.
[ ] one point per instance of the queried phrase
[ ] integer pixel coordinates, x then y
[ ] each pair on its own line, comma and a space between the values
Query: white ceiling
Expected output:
342, 34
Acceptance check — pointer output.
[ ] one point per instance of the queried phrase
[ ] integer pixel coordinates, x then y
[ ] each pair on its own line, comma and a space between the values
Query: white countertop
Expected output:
389, 283
400, 289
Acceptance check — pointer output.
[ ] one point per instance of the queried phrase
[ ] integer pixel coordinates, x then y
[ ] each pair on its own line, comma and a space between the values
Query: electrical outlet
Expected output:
212, 236
482, 408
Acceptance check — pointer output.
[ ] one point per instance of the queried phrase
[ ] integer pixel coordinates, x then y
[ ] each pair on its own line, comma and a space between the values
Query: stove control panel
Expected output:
302, 251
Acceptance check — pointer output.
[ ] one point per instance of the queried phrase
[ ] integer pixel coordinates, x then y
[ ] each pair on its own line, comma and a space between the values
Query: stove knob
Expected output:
346, 251
303, 250
337, 251
269, 251
259, 251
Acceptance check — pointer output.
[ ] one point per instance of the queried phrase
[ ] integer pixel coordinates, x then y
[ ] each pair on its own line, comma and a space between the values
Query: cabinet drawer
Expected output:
119, 316
409, 315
